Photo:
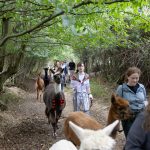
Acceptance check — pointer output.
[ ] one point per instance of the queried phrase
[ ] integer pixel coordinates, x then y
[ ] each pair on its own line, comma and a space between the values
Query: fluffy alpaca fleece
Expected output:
84, 121
97, 141
90, 139
63, 145
57, 88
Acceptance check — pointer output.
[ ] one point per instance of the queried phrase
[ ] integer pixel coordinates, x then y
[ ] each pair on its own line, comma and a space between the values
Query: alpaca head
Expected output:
57, 75
121, 107
95, 140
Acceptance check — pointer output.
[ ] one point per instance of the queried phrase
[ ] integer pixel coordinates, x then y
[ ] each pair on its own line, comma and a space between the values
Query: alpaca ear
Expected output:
52, 71
77, 130
62, 70
108, 130
113, 98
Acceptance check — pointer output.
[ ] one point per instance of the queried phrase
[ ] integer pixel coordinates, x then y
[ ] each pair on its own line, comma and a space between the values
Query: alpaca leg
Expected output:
52, 120
40, 96
37, 94
58, 115
54, 129
57, 124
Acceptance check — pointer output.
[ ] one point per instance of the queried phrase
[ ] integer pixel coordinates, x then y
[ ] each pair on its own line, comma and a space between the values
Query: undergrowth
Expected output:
101, 89
9, 98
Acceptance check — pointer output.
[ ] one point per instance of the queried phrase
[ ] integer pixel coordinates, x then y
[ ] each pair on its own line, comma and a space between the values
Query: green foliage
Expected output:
94, 27
98, 89
103, 24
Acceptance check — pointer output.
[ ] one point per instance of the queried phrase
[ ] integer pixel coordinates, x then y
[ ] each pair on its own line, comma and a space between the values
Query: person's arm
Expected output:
136, 136
119, 91
73, 83
145, 95
88, 89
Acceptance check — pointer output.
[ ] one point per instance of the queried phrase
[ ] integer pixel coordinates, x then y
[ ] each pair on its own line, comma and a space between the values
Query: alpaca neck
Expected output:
46, 74
38, 80
112, 116
57, 88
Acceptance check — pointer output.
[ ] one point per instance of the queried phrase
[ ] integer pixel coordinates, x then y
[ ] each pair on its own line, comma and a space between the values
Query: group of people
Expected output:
137, 128
79, 81
67, 69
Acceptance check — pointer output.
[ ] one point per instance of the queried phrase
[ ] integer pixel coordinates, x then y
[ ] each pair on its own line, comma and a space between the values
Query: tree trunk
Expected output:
5, 26
12, 68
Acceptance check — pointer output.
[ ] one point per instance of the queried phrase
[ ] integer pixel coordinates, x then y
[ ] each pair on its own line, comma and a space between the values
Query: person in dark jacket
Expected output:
139, 134
72, 67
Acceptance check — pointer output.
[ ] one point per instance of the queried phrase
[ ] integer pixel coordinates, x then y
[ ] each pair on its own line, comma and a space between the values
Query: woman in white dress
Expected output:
82, 98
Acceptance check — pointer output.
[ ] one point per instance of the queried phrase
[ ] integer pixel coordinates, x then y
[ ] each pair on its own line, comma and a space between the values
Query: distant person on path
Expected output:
58, 67
135, 93
72, 67
64, 74
82, 98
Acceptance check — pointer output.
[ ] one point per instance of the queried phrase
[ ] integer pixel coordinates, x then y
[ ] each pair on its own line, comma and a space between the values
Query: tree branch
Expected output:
44, 21
135, 15
117, 1
31, 29
37, 4
87, 13
52, 17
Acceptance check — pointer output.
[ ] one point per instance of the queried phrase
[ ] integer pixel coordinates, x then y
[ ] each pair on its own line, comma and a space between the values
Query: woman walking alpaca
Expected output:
135, 93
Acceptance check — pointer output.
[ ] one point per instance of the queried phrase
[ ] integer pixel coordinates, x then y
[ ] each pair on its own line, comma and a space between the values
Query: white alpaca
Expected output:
90, 139
99, 140
63, 145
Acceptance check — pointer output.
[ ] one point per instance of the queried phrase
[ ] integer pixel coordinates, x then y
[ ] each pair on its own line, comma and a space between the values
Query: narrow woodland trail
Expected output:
25, 127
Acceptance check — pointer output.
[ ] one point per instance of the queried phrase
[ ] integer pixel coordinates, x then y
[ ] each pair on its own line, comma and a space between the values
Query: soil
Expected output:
25, 127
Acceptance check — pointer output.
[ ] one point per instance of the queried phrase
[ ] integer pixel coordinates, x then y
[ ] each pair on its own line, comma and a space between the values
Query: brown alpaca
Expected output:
39, 87
119, 110
81, 119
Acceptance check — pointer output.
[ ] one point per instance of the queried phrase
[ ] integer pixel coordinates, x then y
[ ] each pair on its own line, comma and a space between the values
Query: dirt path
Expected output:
25, 127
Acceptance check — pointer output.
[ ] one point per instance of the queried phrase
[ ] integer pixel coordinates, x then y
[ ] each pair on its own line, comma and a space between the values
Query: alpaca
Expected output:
39, 85
119, 110
81, 119
54, 100
63, 145
90, 139
46, 77
98, 139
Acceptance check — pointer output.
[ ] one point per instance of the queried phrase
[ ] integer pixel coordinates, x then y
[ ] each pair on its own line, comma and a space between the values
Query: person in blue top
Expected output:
135, 93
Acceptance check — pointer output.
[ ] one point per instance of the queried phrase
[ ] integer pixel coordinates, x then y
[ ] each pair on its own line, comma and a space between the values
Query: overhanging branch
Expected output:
117, 1
43, 22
